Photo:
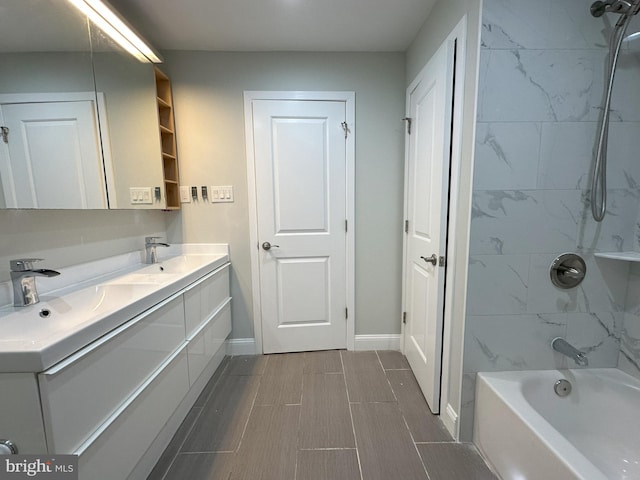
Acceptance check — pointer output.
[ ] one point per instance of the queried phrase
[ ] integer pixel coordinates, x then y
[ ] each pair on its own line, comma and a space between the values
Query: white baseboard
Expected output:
241, 346
247, 346
377, 342
450, 420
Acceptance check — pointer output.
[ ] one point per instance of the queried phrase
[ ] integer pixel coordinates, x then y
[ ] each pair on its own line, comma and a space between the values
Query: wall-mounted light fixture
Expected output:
107, 20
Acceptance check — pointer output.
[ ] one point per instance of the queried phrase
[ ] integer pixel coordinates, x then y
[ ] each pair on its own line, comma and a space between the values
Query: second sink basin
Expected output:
143, 278
179, 264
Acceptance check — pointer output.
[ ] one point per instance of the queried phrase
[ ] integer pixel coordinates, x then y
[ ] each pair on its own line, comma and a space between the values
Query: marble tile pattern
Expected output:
629, 359
541, 83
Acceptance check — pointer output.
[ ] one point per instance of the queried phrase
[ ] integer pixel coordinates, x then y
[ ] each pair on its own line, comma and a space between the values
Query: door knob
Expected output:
268, 246
433, 259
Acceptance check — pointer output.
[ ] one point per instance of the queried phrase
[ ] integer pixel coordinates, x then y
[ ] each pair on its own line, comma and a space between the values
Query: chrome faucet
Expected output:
24, 282
561, 345
150, 245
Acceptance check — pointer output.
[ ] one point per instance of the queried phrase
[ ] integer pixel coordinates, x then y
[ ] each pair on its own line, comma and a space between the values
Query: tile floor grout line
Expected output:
295, 470
175, 456
406, 425
207, 452
328, 449
353, 425
441, 443
222, 373
193, 424
253, 404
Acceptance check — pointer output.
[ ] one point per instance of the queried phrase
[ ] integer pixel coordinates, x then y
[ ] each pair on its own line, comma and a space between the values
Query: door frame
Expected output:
349, 99
458, 35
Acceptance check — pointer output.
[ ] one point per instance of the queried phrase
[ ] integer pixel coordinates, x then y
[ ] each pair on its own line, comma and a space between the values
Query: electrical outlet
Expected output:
185, 196
221, 194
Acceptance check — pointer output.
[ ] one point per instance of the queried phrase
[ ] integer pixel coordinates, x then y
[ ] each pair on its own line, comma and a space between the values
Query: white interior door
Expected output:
53, 159
427, 180
300, 172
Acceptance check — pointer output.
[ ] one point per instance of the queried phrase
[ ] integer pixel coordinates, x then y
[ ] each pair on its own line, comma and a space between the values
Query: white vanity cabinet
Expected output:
207, 308
116, 402
80, 393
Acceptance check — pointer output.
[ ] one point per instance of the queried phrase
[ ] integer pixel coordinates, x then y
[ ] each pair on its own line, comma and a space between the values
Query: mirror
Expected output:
73, 140
49, 151
126, 90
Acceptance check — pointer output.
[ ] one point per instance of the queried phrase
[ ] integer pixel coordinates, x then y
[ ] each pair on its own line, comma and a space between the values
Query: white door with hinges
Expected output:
51, 157
299, 149
427, 179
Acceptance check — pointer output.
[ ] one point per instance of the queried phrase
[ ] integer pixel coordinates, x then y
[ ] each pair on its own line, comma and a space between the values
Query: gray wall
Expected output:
69, 237
208, 93
443, 18
541, 80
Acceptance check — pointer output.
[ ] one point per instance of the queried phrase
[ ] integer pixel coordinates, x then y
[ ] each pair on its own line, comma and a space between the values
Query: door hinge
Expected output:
408, 120
346, 313
345, 127
346, 225
4, 131
406, 226
404, 318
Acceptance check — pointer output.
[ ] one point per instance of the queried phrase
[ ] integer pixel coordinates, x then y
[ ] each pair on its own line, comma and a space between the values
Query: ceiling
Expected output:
277, 25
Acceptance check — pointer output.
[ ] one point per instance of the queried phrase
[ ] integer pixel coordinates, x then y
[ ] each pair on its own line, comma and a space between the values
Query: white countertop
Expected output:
88, 300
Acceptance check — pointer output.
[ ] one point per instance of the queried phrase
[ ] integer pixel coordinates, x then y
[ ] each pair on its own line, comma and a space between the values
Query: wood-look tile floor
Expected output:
333, 415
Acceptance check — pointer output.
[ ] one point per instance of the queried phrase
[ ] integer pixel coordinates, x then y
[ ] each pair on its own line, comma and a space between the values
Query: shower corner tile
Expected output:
629, 365
467, 407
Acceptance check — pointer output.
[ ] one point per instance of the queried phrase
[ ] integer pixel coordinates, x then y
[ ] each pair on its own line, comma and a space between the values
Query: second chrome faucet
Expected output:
150, 245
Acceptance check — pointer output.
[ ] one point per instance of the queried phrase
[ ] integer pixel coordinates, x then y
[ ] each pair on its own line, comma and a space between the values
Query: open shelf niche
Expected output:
168, 141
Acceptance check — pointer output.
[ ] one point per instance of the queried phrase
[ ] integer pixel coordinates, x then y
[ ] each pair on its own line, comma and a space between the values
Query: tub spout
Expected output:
561, 345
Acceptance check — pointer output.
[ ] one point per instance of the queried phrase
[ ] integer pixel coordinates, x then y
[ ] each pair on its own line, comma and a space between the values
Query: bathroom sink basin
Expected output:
143, 278
73, 308
179, 264
67, 319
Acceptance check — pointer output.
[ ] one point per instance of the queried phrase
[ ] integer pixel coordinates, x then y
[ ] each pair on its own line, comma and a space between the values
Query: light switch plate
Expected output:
185, 195
221, 194
141, 195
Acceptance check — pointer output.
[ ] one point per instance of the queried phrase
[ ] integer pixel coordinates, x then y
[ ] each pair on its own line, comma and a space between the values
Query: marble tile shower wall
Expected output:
541, 80
629, 360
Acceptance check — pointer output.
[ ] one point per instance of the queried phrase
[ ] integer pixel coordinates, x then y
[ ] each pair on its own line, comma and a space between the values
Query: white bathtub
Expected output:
526, 431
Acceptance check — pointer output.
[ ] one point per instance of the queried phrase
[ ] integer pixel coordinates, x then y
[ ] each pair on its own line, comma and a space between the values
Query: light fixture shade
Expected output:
108, 20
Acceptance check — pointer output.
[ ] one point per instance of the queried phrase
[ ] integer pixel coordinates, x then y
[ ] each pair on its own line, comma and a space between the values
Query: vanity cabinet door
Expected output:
81, 392
207, 341
204, 297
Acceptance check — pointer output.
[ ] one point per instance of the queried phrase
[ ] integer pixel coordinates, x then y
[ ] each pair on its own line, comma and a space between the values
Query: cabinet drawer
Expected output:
205, 297
115, 451
21, 415
81, 392
208, 340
